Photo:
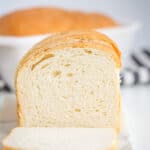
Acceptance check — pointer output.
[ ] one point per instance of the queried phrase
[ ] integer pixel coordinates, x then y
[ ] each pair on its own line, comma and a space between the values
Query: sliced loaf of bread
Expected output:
61, 139
70, 80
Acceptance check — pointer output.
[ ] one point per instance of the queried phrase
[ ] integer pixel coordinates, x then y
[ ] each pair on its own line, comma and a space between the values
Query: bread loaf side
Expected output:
70, 80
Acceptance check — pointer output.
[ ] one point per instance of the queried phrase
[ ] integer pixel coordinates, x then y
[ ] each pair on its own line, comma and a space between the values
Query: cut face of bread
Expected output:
61, 139
69, 87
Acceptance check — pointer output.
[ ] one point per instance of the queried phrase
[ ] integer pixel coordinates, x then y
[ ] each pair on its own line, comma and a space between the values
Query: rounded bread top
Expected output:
74, 39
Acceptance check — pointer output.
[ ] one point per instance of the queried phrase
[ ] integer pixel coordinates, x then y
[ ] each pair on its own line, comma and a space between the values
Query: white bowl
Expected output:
13, 48
124, 37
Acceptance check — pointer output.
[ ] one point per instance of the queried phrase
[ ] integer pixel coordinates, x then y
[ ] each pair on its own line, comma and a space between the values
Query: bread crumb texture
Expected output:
83, 94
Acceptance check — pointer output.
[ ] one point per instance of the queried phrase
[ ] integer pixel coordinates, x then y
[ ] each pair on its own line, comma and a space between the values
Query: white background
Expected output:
136, 101
122, 10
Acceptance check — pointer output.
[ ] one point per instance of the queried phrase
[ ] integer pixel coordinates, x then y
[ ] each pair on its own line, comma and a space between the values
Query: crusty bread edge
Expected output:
10, 148
5, 147
61, 38
47, 44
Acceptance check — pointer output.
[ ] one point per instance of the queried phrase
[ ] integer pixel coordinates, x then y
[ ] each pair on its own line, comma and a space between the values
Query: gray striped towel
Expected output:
137, 69
135, 72
4, 86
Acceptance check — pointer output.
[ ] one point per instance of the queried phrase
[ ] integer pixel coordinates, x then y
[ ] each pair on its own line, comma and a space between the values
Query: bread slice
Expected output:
61, 139
70, 80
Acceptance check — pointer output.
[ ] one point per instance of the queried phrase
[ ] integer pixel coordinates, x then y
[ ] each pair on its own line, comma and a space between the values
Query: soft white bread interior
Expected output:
61, 139
70, 80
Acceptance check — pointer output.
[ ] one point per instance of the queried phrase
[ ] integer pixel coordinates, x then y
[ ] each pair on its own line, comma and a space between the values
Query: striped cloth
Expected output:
137, 69
135, 72
4, 86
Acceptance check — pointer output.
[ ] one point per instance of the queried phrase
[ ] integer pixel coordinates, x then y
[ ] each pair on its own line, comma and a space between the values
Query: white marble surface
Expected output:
136, 102
136, 105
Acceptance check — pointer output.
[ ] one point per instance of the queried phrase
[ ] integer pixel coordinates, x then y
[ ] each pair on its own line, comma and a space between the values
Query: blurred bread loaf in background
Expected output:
35, 21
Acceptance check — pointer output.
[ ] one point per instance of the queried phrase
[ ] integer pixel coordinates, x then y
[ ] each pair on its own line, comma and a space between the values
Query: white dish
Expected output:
124, 36
13, 48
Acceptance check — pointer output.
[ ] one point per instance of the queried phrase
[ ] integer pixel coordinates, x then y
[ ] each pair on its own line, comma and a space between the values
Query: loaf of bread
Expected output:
70, 80
35, 21
61, 139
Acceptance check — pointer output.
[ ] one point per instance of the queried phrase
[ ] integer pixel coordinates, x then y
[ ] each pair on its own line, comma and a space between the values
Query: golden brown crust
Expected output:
114, 147
10, 148
35, 21
76, 39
